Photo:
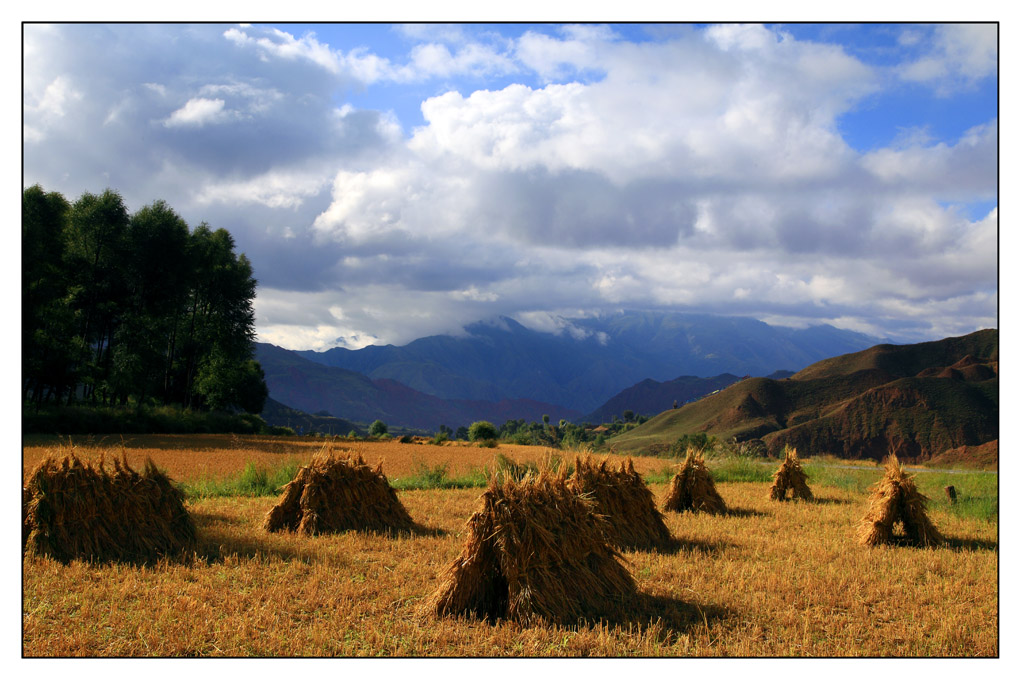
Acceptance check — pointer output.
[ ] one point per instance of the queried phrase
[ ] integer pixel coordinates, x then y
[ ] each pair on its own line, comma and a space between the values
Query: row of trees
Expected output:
120, 307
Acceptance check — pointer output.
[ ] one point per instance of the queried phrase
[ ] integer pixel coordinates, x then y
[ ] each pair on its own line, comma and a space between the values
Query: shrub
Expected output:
482, 431
377, 428
281, 431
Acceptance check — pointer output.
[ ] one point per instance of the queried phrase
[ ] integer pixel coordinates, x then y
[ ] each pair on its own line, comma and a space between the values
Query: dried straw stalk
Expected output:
895, 499
335, 494
74, 510
535, 550
790, 478
692, 488
621, 496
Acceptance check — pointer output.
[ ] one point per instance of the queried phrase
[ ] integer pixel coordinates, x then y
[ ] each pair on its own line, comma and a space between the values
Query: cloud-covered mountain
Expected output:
580, 363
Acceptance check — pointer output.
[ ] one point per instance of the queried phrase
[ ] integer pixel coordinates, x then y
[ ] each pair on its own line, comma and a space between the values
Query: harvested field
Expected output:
765, 579
189, 457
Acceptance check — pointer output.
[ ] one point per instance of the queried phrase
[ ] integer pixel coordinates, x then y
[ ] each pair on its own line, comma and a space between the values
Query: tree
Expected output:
378, 428
94, 255
628, 415
482, 431
159, 273
46, 319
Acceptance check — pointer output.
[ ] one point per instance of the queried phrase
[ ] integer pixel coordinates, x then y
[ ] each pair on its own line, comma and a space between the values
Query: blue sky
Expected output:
393, 181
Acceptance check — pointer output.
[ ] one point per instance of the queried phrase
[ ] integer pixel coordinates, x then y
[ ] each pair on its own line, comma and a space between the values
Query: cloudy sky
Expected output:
395, 181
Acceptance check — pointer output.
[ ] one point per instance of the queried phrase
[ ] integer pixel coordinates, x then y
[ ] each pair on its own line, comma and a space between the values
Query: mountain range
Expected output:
587, 360
312, 387
916, 400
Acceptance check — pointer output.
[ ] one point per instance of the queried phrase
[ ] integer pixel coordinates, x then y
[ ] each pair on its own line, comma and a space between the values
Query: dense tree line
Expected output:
124, 308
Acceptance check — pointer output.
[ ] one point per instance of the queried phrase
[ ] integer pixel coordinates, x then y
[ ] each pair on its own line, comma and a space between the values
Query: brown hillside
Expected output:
919, 400
984, 456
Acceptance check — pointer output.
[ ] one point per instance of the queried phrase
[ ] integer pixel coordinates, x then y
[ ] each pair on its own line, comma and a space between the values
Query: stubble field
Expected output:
768, 579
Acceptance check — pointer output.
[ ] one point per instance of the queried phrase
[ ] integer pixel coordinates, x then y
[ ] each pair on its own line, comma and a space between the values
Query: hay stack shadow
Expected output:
692, 488
790, 479
75, 510
535, 550
334, 493
621, 496
896, 500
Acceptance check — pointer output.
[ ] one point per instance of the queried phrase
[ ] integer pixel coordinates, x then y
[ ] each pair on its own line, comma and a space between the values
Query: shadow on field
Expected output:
971, 544
678, 545
219, 536
744, 513
215, 547
666, 614
831, 501
419, 530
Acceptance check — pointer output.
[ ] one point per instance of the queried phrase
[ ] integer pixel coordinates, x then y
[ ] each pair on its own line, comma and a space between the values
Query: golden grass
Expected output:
190, 457
766, 579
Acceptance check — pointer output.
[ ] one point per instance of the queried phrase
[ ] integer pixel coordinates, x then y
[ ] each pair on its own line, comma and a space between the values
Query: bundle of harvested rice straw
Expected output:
790, 479
535, 550
74, 510
333, 494
621, 496
692, 488
896, 500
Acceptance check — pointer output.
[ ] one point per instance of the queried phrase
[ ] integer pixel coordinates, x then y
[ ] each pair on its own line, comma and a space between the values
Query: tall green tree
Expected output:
159, 273
96, 245
45, 317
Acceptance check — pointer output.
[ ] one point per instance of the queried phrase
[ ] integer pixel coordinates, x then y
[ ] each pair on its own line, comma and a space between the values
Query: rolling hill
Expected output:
589, 360
917, 400
650, 397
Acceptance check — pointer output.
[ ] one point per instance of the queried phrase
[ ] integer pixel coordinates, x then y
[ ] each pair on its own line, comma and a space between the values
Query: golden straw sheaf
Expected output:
621, 496
336, 493
692, 488
790, 479
536, 550
76, 510
896, 500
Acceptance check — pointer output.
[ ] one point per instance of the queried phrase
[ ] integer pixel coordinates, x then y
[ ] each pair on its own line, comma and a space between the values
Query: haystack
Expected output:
896, 500
790, 479
535, 550
335, 494
76, 510
621, 496
692, 488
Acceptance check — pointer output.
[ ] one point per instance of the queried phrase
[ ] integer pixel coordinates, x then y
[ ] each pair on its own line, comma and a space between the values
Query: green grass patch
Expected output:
252, 481
977, 493
430, 477
723, 469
